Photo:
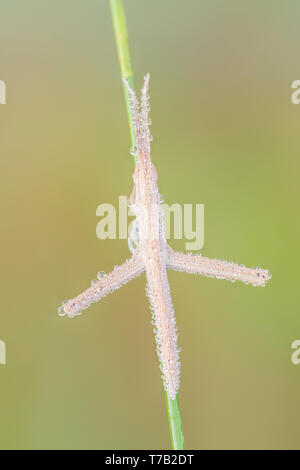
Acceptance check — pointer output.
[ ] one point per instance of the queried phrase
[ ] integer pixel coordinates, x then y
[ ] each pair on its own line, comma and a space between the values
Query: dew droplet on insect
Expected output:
61, 311
133, 150
100, 274
73, 315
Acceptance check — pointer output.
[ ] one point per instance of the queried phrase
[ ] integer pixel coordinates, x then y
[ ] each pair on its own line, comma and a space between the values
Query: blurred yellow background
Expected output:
226, 135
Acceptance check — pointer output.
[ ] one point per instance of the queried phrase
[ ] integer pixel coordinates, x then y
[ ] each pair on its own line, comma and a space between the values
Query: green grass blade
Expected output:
175, 423
121, 35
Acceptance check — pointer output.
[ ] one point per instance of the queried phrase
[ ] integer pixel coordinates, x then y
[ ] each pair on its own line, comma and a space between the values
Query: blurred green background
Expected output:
226, 135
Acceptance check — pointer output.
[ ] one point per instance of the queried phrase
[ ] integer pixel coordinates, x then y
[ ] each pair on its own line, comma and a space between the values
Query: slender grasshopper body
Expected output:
154, 256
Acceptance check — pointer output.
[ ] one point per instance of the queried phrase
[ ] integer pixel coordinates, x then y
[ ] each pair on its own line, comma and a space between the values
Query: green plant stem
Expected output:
121, 35
175, 423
